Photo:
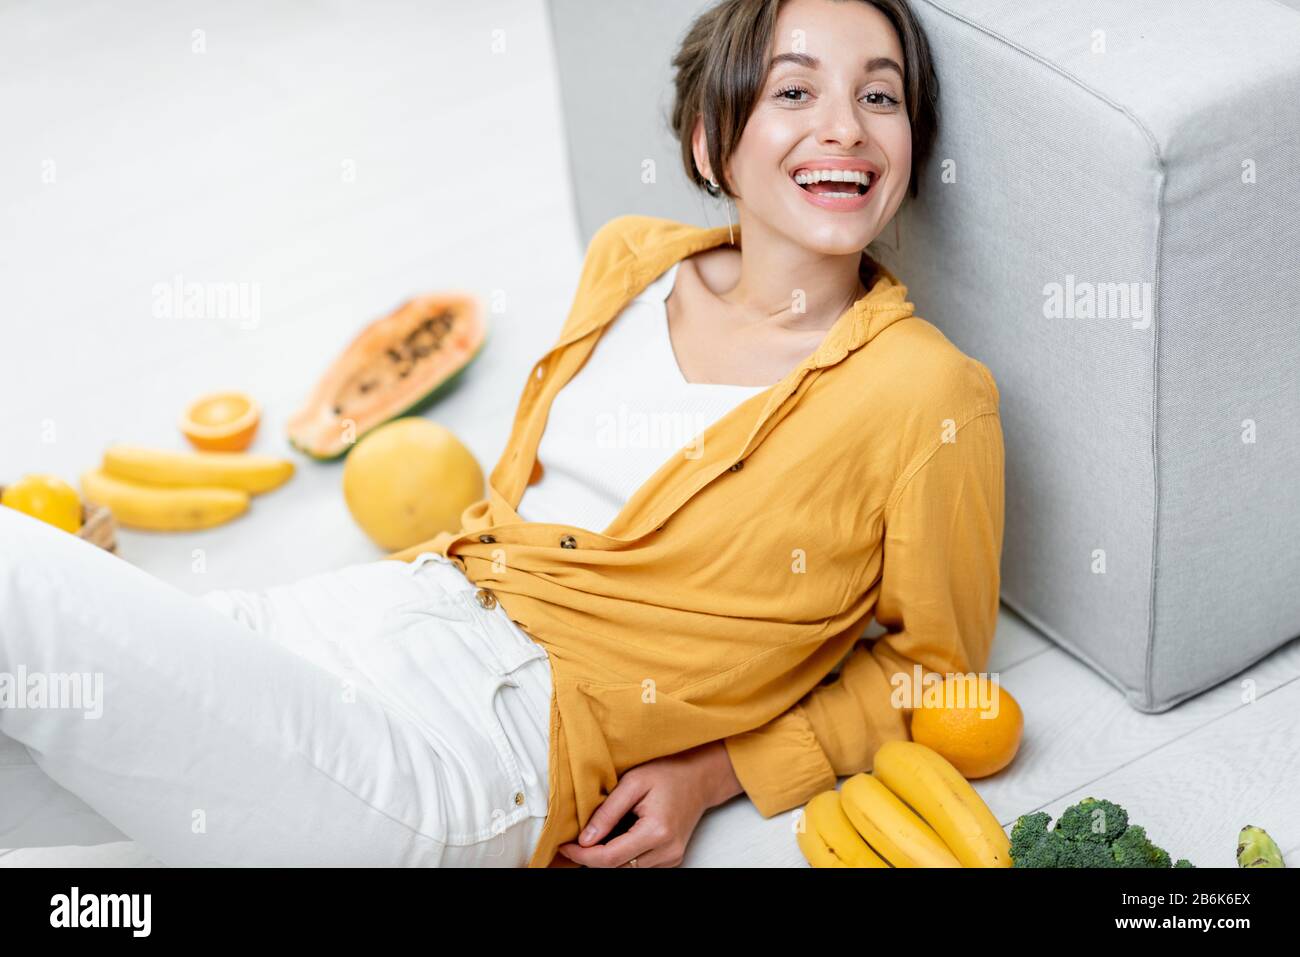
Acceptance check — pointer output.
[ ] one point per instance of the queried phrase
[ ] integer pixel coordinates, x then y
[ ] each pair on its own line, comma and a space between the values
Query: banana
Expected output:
253, 474
939, 794
891, 827
163, 509
827, 838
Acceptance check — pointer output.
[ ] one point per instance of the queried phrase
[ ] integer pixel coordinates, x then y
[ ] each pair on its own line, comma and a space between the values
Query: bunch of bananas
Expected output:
163, 490
913, 810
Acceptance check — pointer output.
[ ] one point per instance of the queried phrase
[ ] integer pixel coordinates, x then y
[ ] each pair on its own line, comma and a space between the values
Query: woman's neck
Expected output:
786, 287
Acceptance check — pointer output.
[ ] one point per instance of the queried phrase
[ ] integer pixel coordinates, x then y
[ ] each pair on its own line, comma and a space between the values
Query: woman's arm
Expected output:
721, 783
938, 603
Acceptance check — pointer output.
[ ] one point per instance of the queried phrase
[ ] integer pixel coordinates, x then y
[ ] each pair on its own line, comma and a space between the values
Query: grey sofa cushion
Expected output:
1166, 443
1147, 155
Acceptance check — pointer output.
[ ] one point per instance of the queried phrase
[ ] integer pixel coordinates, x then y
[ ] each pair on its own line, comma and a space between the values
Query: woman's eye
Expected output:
782, 93
885, 98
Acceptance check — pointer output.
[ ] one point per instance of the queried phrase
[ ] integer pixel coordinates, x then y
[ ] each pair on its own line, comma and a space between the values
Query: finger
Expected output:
622, 799
636, 842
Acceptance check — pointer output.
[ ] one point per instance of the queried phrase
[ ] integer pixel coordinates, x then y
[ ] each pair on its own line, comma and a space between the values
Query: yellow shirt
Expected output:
733, 582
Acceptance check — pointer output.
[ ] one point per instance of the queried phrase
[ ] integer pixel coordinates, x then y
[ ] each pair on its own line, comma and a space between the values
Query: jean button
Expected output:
487, 539
486, 598
519, 799
568, 541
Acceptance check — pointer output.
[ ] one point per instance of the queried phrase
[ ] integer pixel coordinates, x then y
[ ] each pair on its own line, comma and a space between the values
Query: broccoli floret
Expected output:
1032, 844
1092, 833
1134, 849
1093, 820
1085, 854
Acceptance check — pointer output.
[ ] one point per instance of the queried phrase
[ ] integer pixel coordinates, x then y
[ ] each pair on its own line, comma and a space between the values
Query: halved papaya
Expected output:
397, 365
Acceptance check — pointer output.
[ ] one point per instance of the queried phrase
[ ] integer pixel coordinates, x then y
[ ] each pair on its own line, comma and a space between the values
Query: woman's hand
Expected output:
668, 796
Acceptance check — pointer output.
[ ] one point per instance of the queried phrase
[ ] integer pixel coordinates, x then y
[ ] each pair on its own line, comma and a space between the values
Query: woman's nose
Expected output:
840, 125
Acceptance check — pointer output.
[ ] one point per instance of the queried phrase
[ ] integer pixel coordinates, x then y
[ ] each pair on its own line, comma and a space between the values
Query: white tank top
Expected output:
621, 417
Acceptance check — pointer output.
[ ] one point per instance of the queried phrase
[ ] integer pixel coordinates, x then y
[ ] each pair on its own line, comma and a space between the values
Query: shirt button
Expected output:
568, 541
487, 539
738, 466
486, 598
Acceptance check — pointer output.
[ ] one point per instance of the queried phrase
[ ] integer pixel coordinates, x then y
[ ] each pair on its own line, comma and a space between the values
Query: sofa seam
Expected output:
1148, 679
1162, 178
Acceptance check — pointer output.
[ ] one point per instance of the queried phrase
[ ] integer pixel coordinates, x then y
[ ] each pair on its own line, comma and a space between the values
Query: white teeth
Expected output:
808, 176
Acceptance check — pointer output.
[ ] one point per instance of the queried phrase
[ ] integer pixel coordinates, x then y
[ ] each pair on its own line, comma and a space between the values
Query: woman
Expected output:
615, 633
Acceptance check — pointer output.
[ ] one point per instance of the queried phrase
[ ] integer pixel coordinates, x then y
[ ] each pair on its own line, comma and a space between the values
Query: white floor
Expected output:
340, 157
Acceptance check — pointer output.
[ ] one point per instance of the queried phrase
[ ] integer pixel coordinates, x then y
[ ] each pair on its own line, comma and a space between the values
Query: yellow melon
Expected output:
408, 480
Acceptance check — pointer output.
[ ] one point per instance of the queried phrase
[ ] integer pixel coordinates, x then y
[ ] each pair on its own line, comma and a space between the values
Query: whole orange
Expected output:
976, 724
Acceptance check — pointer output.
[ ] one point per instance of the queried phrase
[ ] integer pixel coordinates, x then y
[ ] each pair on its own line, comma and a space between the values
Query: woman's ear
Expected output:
700, 149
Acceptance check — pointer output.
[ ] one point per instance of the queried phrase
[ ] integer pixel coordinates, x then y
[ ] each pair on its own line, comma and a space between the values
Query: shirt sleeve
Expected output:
938, 603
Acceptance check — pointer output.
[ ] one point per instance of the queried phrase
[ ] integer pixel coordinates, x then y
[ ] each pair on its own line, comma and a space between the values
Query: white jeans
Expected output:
374, 715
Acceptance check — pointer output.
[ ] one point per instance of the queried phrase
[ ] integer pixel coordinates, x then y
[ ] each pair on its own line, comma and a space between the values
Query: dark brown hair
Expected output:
722, 64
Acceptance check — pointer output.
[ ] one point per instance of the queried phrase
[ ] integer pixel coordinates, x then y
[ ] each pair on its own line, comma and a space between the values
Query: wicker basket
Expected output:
97, 525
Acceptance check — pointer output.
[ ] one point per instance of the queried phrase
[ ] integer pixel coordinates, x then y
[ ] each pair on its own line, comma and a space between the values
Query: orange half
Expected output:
221, 421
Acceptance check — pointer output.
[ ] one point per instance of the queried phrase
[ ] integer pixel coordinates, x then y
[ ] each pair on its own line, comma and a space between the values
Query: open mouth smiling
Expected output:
823, 181
839, 185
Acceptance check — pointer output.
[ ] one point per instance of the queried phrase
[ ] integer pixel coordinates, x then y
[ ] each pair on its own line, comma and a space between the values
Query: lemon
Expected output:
409, 479
46, 497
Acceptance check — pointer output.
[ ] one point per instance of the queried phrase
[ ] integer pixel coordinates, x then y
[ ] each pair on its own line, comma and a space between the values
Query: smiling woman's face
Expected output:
832, 99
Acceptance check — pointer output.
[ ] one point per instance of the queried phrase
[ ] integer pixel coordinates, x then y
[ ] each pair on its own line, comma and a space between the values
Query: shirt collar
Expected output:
651, 245
640, 249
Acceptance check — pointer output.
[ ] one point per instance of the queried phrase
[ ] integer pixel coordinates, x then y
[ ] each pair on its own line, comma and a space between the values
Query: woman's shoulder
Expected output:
612, 257
621, 243
633, 232
924, 368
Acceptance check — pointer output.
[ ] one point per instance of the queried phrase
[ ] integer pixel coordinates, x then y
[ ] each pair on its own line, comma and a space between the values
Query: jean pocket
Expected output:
427, 663
516, 705
505, 646
517, 720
